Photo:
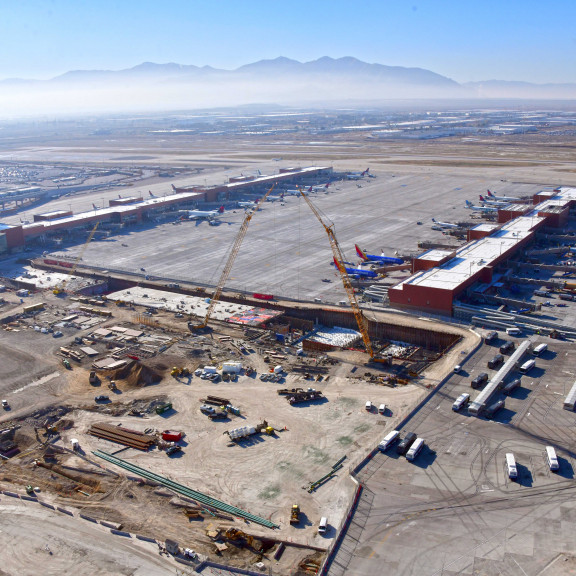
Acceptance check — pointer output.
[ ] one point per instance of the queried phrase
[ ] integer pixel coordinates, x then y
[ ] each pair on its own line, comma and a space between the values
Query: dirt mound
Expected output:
135, 375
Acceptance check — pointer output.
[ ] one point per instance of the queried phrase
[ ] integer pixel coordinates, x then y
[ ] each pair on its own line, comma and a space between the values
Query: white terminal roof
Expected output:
474, 256
435, 254
486, 227
181, 196
274, 177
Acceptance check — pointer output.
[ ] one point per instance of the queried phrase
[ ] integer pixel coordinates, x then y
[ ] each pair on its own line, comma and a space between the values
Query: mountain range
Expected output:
280, 80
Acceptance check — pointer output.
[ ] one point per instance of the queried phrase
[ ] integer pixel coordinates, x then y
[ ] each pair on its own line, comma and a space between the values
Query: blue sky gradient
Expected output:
466, 40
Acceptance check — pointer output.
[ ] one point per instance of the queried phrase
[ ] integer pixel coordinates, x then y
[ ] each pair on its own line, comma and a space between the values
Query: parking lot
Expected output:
454, 510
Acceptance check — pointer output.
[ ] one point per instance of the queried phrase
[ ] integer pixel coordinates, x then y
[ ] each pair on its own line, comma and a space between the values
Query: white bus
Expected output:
527, 366
462, 400
415, 449
511, 466
552, 458
388, 440
539, 349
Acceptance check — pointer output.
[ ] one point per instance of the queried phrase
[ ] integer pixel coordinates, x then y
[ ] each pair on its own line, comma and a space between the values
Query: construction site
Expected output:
198, 392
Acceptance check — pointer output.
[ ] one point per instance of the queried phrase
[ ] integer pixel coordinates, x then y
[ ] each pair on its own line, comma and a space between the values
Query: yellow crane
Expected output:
339, 259
61, 287
229, 263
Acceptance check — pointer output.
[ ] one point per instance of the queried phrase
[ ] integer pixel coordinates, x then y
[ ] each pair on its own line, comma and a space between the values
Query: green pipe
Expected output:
181, 489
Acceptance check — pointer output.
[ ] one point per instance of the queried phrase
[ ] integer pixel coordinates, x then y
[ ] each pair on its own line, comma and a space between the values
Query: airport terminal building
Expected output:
440, 277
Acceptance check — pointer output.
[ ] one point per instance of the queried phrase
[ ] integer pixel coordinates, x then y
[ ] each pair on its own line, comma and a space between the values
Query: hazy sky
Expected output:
462, 39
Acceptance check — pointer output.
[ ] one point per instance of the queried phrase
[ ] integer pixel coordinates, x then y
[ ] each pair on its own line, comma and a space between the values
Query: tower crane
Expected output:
338, 259
61, 287
229, 263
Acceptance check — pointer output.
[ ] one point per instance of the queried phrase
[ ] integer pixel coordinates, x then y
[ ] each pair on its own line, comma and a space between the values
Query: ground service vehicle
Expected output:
461, 401
369, 406
5, 404
493, 408
490, 336
295, 514
527, 366
507, 347
496, 361
552, 458
382, 409
415, 449
405, 443
322, 527
482, 378
511, 386
511, 466
540, 349
457, 368
388, 440
513, 331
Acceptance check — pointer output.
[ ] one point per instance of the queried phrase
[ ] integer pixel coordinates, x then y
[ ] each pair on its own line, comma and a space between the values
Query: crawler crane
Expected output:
229, 263
339, 259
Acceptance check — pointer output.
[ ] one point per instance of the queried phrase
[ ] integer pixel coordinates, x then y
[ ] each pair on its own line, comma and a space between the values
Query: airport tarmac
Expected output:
286, 251
454, 510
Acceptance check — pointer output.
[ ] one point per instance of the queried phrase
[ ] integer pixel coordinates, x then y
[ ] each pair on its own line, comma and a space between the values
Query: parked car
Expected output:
173, 450
207, 409
101, 398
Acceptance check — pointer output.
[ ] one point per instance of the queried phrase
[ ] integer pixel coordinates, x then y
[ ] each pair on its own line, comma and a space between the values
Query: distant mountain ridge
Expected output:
281, 65
325, 82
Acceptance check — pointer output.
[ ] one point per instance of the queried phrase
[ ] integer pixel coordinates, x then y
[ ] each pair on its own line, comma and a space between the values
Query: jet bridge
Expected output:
497, 382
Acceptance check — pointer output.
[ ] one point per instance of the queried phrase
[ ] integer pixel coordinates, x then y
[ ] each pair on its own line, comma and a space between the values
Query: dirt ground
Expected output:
263, 474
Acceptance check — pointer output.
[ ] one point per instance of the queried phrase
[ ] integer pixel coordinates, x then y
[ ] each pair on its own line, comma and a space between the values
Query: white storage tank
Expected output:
232, 367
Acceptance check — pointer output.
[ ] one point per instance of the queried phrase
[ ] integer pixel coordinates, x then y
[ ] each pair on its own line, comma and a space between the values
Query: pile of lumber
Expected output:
124, 436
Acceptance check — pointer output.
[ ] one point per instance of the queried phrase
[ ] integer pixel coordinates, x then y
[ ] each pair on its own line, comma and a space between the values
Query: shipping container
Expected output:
263, 296
171, 436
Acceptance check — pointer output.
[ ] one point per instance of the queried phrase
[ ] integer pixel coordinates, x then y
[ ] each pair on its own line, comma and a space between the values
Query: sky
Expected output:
466, 40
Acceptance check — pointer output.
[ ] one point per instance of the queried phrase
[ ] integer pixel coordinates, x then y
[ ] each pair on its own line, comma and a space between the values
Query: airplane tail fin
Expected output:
468, 203
151, 195
221, 210
433, 219
481, 198
489, 193
360, 253
327, 185
309, 189
174, 188
339, 265
94, 206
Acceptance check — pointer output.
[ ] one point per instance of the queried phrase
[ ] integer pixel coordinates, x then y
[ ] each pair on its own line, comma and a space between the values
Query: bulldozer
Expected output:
295, 514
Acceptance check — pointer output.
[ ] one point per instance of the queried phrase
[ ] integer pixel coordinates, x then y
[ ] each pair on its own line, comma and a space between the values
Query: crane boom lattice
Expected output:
230, 262
339, 259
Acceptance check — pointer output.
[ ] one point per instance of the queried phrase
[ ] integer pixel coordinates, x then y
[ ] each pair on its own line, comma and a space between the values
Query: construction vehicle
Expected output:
229, 263
66, 363
61, 287
176, 372
295, 514
339, 261
93, 378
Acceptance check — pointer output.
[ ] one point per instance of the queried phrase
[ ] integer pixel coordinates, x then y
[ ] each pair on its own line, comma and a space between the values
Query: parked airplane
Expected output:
247, 204
471, 206
358, 175
274, 198
319, 188
492, 202
494, 197
355, 272
203, 214
444, 224
383, 259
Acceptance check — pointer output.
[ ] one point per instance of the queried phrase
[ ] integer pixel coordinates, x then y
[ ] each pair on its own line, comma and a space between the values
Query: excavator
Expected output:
339, 261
